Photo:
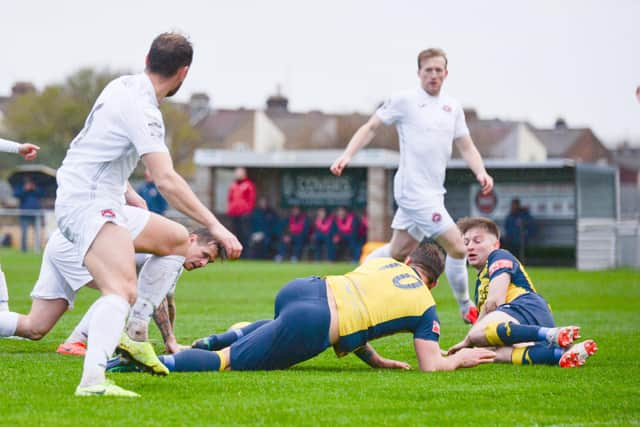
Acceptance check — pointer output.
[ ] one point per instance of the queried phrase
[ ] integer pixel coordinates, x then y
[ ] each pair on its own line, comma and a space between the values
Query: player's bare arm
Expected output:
472, 156
370, 356
361, 138
430, 358
179, 195
497, 294
163, 321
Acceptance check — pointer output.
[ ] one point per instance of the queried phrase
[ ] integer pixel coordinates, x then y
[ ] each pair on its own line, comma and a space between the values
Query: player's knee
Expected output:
477, 336
399, 254
35, 332
457, 251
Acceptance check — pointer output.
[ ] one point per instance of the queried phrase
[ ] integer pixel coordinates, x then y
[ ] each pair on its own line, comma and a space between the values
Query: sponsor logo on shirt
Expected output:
436, 217
447, 108
436, 327
108, 213
500, 264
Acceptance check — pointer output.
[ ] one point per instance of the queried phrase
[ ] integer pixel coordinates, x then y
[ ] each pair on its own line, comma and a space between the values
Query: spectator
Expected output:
346, 233
241, 201
264, 224
155, 202
322, 235
519, 226
29, 195
295, 235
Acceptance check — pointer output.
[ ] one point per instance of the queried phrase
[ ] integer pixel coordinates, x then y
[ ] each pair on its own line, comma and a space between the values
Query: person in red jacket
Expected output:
241, 199
346, 233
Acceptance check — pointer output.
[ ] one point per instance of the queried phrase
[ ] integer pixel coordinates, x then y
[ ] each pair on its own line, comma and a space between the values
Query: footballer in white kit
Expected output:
428, 123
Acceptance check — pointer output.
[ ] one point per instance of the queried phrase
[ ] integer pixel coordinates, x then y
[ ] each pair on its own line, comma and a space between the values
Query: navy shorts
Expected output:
529, 309
299, 331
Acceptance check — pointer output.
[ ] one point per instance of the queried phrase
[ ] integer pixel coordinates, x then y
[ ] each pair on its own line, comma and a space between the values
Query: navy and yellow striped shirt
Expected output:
502, 261
382, 297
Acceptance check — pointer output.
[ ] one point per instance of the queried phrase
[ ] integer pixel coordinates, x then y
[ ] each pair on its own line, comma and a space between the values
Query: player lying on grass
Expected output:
164, 317
62, 275
511, 311
381, 297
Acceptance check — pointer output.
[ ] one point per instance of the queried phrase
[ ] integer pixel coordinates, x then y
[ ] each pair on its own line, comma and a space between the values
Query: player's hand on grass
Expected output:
391, 364
470, 357
486, 182
230, 242
28, 151
173, 347
339, 164
462, 344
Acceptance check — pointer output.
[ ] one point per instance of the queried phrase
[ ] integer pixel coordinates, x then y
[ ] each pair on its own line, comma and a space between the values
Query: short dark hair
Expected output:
205, 237
467, 223
429, 256
169, 52
432, 53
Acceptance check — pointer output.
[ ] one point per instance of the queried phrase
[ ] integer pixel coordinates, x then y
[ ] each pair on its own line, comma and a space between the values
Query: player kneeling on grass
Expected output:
379, 298
62, 275
511, 311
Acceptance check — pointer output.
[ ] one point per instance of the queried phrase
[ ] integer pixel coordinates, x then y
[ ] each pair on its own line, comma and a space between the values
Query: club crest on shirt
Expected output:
436, 217
447, 108
436, 327
108, 213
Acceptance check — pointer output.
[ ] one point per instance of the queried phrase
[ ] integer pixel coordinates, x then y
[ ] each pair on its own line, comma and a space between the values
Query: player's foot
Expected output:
141, 353
470, 314
203, 343
107, 388
564, 336
120, 363
74, 348
577, 354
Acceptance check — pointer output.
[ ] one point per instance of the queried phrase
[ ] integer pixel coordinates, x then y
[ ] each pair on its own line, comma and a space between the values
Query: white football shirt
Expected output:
427, 126
124, 124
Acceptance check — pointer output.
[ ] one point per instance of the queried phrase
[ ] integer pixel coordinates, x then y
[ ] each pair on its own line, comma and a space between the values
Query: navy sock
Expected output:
508, 333
225, 339
539, 354
191, 360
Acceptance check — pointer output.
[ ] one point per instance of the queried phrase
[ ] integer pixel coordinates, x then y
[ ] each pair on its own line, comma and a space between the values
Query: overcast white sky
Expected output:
530, 60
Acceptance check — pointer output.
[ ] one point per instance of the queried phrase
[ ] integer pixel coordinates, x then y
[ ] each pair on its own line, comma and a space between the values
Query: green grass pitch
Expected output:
37, 385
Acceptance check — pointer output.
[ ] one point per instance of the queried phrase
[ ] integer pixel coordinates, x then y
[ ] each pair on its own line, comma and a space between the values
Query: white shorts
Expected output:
428, 221
81, 224
62, 272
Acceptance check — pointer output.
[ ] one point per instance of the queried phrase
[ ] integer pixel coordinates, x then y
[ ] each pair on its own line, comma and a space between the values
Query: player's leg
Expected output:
110, 260
43, 316
76, 343
401, 245
4, 292
225, 339
455, 269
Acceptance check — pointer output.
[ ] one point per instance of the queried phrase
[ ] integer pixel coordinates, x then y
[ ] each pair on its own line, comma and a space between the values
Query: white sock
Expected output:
8, 323
456, 271
381, 252
156, 279
105, 328
81, 331
4, 293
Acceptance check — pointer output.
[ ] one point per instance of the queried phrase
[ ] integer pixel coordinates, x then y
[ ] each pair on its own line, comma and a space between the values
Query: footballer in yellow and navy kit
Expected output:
514, 318
379, 298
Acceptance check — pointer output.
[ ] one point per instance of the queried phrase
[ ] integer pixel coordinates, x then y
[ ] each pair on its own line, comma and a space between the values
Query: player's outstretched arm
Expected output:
430, 357
368, 355
163, 321
26, 150
362, 137
176, 190
472, 156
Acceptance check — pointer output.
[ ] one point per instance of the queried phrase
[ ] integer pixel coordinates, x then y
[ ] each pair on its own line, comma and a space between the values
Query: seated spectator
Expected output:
295, 235
322, 236
264, 224
346, 233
